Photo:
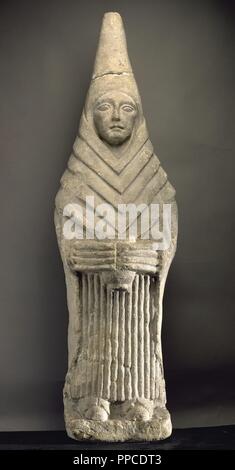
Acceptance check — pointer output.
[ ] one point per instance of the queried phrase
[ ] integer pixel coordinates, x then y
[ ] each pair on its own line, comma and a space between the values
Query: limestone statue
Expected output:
115, 277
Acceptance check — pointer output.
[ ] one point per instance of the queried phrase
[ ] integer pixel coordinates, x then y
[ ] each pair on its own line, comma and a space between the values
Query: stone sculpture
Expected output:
114, 388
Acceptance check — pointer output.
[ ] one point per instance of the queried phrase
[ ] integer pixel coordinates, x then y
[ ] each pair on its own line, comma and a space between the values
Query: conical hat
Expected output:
111, 56
112, 69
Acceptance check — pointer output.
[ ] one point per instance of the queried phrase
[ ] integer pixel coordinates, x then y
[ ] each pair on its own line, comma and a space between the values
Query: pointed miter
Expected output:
112, 69
112, 56
112, 72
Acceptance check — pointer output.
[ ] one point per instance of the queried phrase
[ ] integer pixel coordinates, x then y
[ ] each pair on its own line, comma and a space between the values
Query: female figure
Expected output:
115, 387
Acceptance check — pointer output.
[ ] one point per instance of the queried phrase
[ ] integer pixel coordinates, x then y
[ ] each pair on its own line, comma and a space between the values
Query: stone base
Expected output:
120, 430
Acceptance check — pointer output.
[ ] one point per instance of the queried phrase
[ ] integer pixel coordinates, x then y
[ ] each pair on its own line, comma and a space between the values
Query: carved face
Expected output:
114, 117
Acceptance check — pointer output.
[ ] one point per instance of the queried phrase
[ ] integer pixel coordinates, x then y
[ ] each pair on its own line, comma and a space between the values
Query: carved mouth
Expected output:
116, 127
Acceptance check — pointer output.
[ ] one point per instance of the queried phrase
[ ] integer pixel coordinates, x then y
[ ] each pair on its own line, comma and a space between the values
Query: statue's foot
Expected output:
140, 409
96, 413
138, 412
94, 408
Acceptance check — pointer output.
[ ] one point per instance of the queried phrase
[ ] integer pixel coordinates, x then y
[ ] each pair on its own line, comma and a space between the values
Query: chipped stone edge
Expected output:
120, 430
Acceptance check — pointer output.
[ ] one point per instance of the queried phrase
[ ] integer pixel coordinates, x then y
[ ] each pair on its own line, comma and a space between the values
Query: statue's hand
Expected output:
91, 256
138, 256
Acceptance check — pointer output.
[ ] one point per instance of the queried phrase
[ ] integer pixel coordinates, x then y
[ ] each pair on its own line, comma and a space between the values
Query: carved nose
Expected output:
116, 116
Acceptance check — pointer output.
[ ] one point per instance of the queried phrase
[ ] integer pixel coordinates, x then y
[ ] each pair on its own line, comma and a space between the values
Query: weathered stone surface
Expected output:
114, 388
115, 430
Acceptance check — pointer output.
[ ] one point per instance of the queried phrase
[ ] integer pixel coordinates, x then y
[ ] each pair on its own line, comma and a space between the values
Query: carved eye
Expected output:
103, 107
128, 108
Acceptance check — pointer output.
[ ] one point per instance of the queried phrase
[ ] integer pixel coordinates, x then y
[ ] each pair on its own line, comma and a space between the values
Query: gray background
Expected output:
182, 55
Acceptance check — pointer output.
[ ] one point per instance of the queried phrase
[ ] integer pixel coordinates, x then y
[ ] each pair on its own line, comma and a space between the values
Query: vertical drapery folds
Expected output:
118, 359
